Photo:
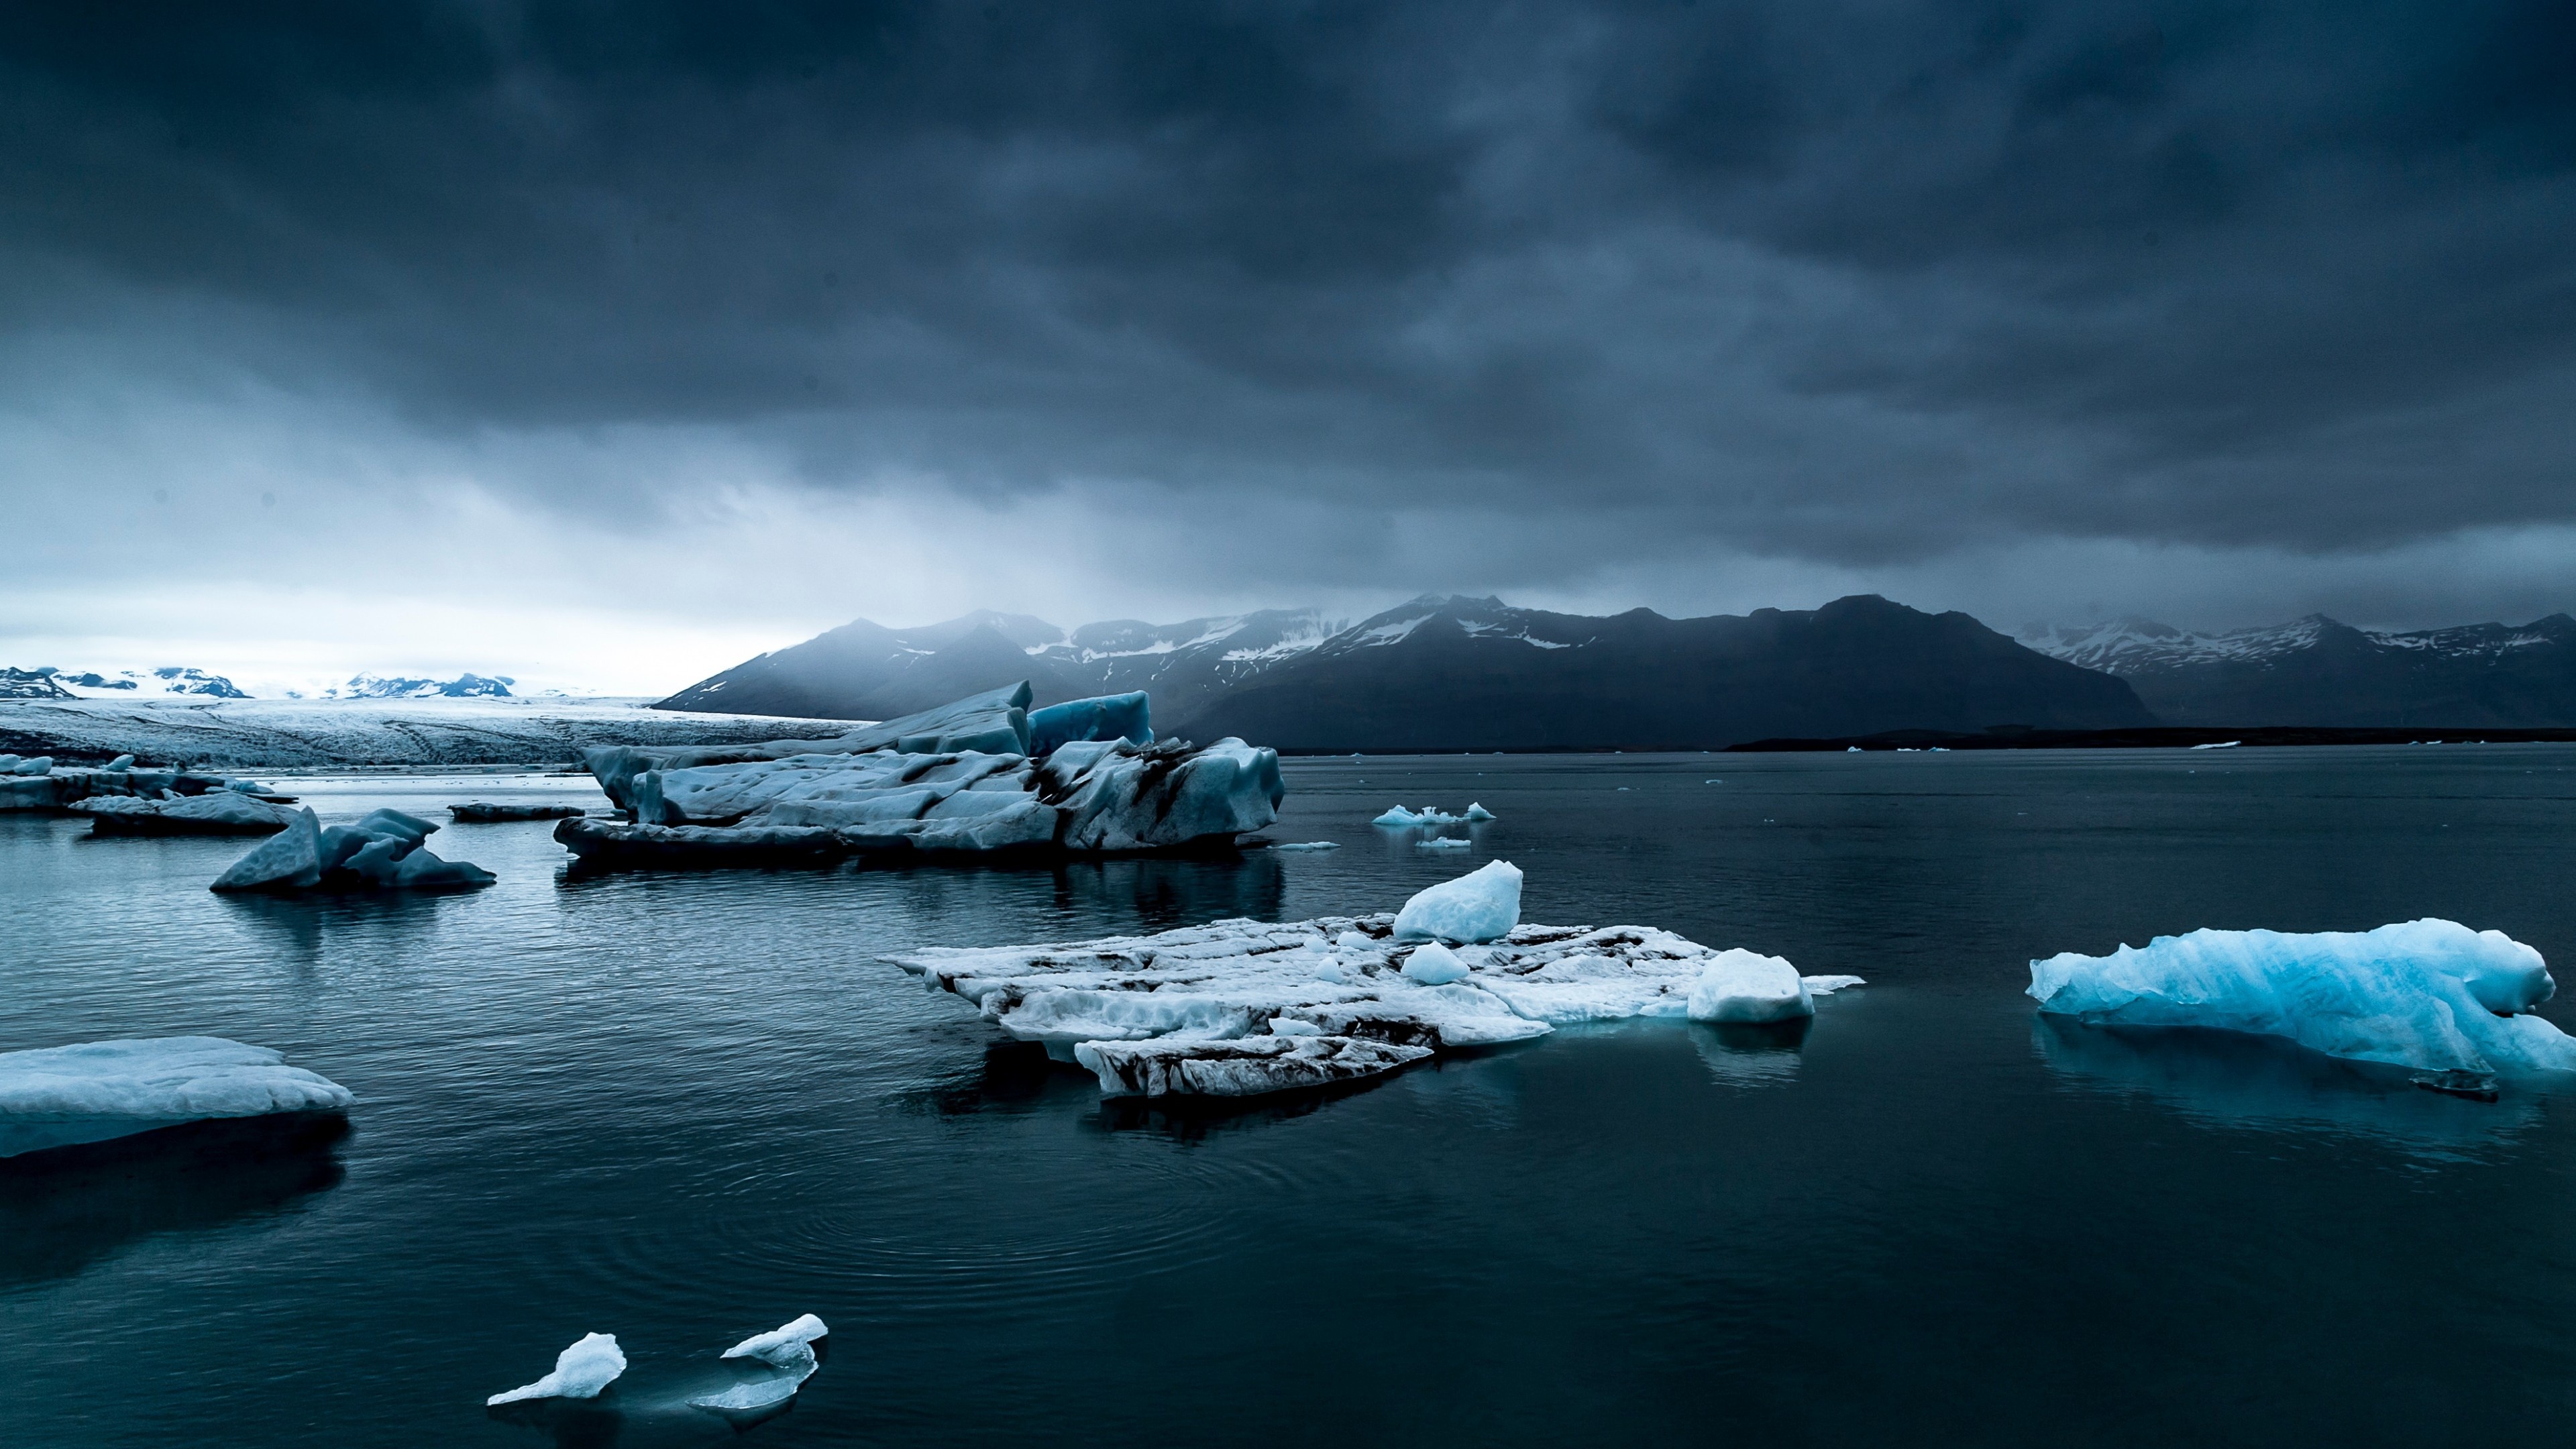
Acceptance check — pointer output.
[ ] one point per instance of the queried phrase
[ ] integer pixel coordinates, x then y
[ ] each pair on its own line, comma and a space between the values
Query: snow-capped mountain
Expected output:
463, 686
2317, 671
1459, 673
120, 684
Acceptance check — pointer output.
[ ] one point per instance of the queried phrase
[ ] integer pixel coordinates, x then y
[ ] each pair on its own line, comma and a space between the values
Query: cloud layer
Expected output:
731, 322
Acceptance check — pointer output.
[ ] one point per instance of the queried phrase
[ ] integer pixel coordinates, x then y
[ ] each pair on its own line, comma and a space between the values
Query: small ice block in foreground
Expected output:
94, 1091
1746, 987
790, 1348
581, 1371
2428, 994
1482, 905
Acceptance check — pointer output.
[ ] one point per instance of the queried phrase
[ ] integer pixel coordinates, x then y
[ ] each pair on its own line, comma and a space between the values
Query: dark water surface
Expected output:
685, 1108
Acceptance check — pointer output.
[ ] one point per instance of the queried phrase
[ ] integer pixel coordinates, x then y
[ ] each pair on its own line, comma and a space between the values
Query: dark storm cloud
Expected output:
1837, 281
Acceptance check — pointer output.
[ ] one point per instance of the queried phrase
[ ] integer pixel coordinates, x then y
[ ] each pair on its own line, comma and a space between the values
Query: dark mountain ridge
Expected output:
1459, 673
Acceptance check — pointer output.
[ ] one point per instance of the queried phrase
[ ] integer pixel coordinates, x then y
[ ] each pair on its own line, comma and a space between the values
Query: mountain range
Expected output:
1442, 673
2315, 671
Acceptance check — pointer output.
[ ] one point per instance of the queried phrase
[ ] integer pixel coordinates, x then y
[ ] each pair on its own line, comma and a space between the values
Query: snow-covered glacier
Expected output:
963, 778
93, 1091
2430, 994
1242, 1008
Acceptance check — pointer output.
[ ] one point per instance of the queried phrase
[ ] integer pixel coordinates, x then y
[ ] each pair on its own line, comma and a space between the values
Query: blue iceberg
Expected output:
1126, 717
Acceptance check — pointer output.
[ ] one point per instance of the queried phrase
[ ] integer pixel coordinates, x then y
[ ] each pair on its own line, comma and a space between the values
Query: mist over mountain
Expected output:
2316, 671
1458, 673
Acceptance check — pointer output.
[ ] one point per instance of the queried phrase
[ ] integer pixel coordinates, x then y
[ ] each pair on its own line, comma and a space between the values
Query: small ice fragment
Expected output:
1355, 941
1434, 965
1712, 782
40, 765
1293, 1026
1740, 985
1478, 812
121, 764
1482, 905
581, 1371
1828, 985
1310, 845
2220, 745
803, 1329
1442, 842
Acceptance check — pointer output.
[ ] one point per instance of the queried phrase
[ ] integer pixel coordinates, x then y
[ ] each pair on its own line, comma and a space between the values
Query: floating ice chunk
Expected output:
757, 1395
581, 1371
217, 812
40, 765
1399, 818
1476, 812
8, 764
1310, 845
480, 812
799, 1332
1828, 985
1482, 905
62, 1096
1110, 717
1293, 1026
2429, 994
1433, 964
2220, 745
1443, 842
121, 764
290, 860
1743, 986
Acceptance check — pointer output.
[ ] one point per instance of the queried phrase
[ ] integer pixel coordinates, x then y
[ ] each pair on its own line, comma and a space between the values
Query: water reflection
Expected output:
2234, 1079
1745, 1054
63, 1209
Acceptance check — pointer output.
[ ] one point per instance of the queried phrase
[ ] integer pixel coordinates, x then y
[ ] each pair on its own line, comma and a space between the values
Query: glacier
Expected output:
592, 1363
94, 1091
2429, 994
382, 851
1244, 1008
960, 779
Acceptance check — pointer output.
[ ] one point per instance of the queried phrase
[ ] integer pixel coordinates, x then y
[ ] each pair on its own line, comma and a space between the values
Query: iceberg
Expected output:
1476, 814
1399, 818
994, 722
217, 812
1084, 796
2428, 994
40, 765
121, 763
1482, 905
581, 1371
1244, 1008
483, 813
1745, 987
1444, 842
382, 851
789, 1348
63, 1096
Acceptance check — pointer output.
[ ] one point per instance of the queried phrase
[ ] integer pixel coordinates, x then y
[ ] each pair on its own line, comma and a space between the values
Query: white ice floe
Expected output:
63, 1096
2431, 994
1747, 987
382, 851
1476, 813
1310, 845
1241, 1008
1482, 905
1444, 842
789, 1349
581, 1371
1397, 817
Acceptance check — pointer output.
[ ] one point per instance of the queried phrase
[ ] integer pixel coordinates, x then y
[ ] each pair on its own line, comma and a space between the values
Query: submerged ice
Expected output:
2429, 994
94, 1091
1242, 1008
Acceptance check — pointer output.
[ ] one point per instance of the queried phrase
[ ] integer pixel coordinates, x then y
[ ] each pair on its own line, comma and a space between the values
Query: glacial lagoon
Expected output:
685, 1108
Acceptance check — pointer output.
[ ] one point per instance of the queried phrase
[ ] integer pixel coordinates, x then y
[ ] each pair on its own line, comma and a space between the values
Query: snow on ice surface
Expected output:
1482, 905
581, 1371
1241, 1008
61, 1096
2429, 994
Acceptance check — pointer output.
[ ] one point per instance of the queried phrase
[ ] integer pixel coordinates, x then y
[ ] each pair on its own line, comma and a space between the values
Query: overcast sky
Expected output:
608, 344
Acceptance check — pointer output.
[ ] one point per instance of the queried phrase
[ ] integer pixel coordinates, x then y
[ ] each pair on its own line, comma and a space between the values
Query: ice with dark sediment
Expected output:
1242, 1008
923, 794
94, 1091
2430, 994
484, 812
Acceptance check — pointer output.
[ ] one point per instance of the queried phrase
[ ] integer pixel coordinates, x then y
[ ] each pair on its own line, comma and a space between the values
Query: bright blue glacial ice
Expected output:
2430, 994
1482, 905
581, 1371
1126, 717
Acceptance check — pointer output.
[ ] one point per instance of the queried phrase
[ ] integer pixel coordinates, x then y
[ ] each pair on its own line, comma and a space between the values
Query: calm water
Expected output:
684, 1108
